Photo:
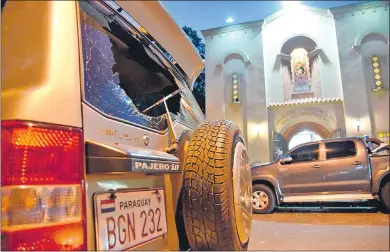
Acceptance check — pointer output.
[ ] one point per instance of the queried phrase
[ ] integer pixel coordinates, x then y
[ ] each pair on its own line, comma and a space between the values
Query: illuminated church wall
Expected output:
238, 50
362, 34
312, 29
293, 55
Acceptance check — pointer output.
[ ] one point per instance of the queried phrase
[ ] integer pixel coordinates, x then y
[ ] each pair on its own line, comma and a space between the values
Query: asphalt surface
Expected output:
321, 229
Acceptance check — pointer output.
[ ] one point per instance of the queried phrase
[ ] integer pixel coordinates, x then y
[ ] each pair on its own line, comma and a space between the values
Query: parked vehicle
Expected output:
103, 144
378, 147
331, 170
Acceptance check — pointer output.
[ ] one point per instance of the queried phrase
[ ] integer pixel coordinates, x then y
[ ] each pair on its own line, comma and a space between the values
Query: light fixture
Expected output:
229, 20
259, 129
358, 123
292, 5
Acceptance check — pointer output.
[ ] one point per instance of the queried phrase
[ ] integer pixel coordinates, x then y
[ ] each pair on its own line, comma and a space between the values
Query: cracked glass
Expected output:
123, 74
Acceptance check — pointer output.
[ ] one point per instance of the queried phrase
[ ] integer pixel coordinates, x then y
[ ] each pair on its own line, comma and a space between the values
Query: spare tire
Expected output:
217, 188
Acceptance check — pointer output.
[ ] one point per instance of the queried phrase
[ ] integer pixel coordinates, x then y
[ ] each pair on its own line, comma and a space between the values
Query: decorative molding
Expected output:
282, 56
361, 36
314, 100
244, 56
336, 13
362, 7
297, 35
328, 118
314, 53
380, 90
356, 48
231, 28
319, 11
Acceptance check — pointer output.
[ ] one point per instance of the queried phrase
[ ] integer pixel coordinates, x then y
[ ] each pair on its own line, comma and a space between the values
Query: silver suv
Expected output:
103, 144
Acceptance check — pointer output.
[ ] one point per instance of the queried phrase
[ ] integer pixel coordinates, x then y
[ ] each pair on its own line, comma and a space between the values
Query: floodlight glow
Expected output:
229, 20
291, 4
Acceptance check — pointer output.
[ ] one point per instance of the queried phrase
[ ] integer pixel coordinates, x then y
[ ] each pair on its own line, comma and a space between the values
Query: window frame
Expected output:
305, 145
167, 59
180, 77
338, 141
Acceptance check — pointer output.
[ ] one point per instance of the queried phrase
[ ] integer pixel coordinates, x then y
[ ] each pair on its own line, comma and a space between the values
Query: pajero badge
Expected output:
142, 165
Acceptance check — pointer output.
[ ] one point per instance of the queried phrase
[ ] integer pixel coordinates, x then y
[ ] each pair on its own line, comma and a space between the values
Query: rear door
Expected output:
132, 182
346, 167
304, 175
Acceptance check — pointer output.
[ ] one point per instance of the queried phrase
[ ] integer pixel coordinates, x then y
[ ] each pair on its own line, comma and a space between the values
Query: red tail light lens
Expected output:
43, 206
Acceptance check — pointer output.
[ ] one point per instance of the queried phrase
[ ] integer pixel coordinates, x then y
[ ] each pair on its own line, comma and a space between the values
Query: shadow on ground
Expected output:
325, 227
330, 214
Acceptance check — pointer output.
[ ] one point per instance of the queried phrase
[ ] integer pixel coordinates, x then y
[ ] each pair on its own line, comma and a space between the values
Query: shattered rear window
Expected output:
122, 76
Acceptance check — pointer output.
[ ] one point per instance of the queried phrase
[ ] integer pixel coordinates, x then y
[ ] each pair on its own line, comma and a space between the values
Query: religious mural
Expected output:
300, 71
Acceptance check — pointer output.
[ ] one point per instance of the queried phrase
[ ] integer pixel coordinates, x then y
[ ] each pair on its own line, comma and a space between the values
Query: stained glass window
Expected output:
300, 71
384, 137
376, 70
235, 89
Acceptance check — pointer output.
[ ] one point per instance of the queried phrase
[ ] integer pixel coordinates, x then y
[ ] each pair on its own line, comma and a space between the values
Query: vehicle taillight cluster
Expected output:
43, 206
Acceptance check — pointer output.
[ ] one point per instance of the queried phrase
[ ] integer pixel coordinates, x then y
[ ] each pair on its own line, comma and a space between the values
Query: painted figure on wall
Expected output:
300, 71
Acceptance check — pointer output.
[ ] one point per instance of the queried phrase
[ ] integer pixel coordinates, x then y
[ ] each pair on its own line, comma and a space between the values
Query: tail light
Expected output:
43, 206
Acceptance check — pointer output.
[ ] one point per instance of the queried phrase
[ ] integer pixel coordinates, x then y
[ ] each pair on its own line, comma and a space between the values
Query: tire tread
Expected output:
205, 185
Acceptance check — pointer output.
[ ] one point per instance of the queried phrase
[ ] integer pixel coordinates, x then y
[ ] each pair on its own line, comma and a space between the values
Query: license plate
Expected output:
129, 219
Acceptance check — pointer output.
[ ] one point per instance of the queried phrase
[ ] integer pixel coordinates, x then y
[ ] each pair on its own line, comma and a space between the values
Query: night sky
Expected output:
201, 15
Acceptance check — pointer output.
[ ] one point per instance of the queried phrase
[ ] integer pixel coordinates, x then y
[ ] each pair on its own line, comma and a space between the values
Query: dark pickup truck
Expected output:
331, 170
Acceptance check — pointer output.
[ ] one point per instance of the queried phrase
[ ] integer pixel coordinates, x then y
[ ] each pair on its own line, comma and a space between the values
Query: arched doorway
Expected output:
304, 132
323, 120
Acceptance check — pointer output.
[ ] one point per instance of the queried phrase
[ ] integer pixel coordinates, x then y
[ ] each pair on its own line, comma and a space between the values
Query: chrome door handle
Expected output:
357, 163
316, 166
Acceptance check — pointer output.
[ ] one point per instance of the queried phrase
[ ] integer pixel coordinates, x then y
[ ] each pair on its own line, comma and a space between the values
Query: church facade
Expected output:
321, 70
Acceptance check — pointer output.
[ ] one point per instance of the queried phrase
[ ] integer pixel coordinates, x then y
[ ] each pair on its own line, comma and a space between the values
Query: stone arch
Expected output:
299, 40
235, 54
360, 40
373, 42
310, 126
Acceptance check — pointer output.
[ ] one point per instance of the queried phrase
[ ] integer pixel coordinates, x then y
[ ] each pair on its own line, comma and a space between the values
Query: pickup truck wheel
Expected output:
217, 188
263, 199
385, 195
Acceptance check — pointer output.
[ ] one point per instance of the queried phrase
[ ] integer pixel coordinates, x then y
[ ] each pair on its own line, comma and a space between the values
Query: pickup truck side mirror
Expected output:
286, 160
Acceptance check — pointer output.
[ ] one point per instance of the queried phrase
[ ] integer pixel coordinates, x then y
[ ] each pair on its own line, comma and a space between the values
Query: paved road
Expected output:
321, 230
